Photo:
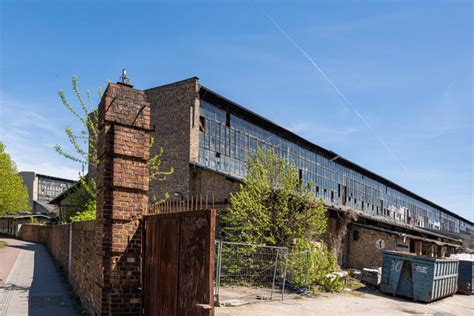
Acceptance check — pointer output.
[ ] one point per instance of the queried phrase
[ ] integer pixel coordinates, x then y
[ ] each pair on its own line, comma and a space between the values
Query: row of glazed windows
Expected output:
226, 142
48, 189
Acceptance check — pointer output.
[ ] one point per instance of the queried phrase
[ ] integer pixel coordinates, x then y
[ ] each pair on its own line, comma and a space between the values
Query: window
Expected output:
355, 235
202, 124
226, 141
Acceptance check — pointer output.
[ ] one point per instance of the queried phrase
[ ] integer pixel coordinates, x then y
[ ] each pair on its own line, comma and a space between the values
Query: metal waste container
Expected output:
466, 277
417, 277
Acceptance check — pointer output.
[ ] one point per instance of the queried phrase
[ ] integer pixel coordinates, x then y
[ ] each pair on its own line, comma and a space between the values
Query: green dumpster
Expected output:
417, 277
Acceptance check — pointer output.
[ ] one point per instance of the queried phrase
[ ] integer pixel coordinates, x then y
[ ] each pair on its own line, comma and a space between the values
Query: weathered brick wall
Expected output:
84, 266
105, 253
122, 198
364, 253
55, 237
58, 244
331, 237
175, 118
35, 233
208, 182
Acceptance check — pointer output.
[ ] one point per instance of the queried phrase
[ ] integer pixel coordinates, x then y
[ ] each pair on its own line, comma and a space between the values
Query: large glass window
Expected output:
48, 189
227, 140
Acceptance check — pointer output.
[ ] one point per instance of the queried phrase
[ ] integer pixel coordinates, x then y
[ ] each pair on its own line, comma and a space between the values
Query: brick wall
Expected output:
175, 118
34, 233
103, 257
363, 251
209, 182
122, 198
83, 258
84, 265
58, 244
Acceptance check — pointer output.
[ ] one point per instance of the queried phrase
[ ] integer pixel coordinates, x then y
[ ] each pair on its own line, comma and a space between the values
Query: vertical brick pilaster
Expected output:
122, 198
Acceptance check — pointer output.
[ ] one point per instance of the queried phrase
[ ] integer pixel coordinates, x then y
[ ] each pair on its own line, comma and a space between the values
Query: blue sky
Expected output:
405, 66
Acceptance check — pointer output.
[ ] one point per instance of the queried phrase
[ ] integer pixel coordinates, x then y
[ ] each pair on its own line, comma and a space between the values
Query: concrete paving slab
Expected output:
34, 287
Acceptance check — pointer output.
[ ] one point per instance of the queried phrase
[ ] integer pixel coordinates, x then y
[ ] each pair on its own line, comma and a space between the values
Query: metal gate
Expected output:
178, 263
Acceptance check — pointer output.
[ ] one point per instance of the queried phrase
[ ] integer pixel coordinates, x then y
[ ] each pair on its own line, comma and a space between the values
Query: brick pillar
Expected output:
122, 186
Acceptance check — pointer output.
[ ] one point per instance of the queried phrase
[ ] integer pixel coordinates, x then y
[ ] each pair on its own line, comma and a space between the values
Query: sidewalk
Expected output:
33, 286
8, 257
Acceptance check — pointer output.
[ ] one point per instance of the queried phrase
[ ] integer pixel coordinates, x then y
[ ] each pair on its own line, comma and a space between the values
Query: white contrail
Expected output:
337, 90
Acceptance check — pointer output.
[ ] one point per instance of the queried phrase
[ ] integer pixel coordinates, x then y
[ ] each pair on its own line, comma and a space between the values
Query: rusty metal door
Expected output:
178, 263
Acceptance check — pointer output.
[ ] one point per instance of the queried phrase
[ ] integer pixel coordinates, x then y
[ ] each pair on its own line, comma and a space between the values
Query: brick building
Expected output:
207, 138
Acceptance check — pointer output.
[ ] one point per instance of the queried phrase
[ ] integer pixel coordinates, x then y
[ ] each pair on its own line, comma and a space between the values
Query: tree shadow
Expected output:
48, 291
375, 291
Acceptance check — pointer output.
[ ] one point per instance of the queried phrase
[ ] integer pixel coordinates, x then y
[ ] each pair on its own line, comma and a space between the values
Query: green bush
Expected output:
87, 214
312, 263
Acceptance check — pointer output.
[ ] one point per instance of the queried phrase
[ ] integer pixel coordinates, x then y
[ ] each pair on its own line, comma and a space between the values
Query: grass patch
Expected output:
353, 284
356, 293
3, 244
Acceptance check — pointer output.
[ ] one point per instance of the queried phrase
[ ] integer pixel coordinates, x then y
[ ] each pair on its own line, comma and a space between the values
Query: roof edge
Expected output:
344, 161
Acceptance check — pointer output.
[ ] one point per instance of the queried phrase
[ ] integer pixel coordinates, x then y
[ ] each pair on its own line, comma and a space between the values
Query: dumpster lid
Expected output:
463, 256
414, 256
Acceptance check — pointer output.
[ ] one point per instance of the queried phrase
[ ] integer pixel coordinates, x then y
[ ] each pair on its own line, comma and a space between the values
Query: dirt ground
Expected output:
363, 302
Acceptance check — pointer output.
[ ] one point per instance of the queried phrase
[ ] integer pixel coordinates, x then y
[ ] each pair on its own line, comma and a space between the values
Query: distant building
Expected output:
42, 189
11, 224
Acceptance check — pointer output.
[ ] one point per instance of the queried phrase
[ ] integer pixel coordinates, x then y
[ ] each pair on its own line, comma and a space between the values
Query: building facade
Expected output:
207, 139
42, 189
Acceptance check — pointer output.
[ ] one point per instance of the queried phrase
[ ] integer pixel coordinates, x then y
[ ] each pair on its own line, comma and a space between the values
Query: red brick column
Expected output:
122, 186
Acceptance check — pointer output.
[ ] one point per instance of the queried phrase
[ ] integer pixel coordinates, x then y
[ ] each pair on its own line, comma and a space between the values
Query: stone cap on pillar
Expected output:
122, 104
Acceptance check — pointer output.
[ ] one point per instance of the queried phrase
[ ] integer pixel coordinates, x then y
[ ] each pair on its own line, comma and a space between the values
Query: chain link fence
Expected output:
249, 273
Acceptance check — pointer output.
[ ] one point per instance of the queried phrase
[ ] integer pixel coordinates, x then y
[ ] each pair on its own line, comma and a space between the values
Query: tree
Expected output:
84, 152
273, 206
13, 193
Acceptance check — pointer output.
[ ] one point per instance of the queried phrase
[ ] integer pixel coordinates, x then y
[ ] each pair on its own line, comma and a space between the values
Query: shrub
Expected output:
312, 263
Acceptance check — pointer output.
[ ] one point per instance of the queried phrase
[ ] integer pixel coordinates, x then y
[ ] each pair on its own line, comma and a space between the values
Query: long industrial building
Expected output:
210, 132
208, 138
